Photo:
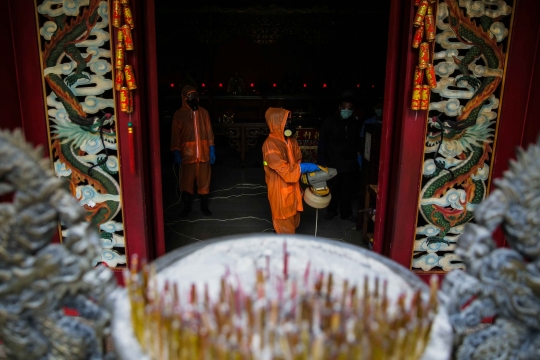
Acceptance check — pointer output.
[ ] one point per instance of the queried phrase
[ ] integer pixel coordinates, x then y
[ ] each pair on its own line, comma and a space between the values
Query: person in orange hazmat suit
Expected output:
282, 167
192, 141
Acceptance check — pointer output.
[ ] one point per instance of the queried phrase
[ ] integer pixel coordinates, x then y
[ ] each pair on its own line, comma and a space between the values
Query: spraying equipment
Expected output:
317, 195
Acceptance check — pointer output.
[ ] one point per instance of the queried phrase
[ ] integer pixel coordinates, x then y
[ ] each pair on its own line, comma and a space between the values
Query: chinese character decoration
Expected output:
125, 80
424, 21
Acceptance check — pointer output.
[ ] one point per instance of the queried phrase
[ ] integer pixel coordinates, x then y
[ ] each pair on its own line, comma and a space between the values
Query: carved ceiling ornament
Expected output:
40, 279
505, 282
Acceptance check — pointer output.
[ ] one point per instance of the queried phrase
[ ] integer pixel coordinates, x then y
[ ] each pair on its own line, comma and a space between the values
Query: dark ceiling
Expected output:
315, 42
337, 5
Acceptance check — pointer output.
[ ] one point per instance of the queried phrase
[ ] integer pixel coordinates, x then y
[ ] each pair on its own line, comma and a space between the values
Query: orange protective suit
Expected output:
282, 172
192, 134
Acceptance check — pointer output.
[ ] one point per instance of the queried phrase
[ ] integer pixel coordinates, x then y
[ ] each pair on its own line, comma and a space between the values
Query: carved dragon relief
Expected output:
74, 37
469, 68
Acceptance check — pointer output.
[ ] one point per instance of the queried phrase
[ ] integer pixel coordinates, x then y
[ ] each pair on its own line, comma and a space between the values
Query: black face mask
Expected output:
193, 103
289, 130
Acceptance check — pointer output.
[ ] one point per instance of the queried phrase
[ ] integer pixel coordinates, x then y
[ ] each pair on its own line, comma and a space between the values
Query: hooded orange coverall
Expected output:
282, 172
192, 134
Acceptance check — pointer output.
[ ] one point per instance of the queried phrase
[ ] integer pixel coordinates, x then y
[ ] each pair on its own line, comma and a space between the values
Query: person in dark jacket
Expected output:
339, 148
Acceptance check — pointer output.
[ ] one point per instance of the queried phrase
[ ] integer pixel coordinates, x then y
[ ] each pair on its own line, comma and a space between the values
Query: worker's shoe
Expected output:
187, 204
204, 205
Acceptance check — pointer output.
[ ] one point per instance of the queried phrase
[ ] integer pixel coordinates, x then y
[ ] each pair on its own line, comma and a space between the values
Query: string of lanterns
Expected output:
424, 22
125, 80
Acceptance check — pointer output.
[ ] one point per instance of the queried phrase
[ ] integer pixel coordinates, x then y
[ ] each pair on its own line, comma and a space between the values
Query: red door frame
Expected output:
141, 192
402, 144
27, 71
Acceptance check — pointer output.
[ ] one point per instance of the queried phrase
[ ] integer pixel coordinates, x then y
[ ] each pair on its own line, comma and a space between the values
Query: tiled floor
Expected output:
239, 205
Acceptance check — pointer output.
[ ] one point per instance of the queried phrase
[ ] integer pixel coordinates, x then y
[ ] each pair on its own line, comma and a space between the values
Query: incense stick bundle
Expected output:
285, 316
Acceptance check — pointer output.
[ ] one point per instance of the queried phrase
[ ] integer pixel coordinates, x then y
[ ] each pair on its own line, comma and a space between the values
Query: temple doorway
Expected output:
243, 57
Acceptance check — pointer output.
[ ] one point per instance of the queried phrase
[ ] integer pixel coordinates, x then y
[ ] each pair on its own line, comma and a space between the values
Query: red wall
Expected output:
9, 95
28, 71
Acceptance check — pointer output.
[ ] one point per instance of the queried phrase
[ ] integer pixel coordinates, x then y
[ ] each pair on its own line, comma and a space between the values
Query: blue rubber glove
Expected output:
177, 157
212, 154
308, 167
359, 159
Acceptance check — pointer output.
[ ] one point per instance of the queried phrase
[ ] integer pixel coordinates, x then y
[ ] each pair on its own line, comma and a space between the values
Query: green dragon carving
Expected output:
465, 133
79, 128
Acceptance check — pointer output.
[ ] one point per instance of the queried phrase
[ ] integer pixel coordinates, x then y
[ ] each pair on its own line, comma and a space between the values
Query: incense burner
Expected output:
291, 259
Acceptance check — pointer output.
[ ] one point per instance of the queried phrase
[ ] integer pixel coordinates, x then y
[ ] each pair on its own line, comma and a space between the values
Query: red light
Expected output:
357, 85
172, 84
305, 85
252, 85
275, 85
203, 85
373, 86
323, 85
220, 85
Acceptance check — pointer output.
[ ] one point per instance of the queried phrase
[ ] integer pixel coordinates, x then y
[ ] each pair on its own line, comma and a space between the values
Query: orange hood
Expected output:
185, 91
276, 119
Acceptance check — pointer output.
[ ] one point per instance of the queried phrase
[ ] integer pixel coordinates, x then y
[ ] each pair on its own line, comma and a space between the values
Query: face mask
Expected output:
378, 112
346, 113
289, 130
193, 103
